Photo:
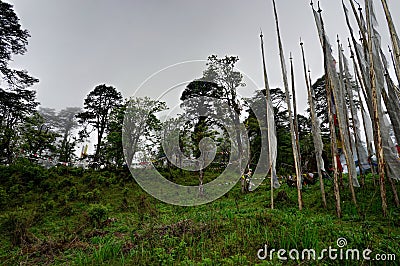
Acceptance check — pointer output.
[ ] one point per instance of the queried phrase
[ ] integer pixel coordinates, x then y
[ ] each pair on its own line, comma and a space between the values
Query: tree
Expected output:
49, 115
253, 131
139, 122
200, 103
13, 41
285, 159
63, 123
198, 98
280, 110
15, 108
285, 153
222, 72
37, 139
175, 142
97, 108
321, 104
17, 102
67, 123
308, 160
284, 145
113, 146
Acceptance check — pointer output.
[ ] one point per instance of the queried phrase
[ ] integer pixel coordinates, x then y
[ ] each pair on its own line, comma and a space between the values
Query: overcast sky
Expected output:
76, 44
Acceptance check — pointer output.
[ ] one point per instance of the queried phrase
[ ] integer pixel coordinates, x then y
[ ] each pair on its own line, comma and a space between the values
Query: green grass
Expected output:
70, 217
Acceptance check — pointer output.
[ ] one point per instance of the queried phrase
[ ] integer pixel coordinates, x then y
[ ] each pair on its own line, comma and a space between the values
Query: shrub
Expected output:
91, 196
97, 213
66, 210
48, 185
16, 226
72, 194
66, 182
15, 189
48, 205
62, 170
77, 171
3, 197
163, 257
22, 172
31, 173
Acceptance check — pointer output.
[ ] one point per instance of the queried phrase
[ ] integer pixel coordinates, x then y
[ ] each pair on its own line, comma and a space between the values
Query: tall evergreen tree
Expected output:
17, 102
98, 106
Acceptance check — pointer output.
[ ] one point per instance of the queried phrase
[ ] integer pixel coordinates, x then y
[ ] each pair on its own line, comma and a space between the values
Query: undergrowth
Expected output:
70, 216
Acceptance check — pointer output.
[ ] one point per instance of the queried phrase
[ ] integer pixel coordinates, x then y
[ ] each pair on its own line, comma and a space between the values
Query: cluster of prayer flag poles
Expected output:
378, 91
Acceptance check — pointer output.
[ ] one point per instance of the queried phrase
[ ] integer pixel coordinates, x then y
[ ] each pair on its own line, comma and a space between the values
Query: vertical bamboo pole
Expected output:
313, 120
288, 101
358, 77
328, 87
394, 37
268, 99
376, 120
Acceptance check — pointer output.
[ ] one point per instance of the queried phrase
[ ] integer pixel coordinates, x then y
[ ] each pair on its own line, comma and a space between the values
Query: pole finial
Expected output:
351, 50
301, 42
359, 6
386, 72
319, 8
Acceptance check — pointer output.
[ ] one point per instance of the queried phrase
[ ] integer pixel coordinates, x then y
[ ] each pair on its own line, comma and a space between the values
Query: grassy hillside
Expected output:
65, 216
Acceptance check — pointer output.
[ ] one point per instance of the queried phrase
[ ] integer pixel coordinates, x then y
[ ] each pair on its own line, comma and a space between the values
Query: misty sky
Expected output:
76, 45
